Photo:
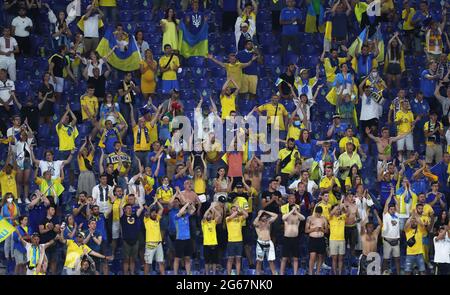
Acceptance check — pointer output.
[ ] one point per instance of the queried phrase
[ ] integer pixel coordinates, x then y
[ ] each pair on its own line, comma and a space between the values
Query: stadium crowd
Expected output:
97, 179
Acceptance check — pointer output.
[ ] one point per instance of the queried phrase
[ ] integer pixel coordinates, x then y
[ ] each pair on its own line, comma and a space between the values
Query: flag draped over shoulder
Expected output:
6, 229
127, 60
193, 45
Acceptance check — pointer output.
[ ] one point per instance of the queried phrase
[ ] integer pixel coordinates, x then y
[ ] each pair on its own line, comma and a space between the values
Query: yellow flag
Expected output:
6, 229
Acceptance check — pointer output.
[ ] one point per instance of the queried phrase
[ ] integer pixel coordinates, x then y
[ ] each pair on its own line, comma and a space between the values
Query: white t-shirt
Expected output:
91, 26
370, 109
442, 250
11, 132
20, 23
54, 166
312, 186
391, 227
91, 66
10, 47
5, 91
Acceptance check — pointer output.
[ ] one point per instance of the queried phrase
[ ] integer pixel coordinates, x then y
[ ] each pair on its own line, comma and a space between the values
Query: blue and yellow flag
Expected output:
362, 38
127, 60
193, 45
6, 229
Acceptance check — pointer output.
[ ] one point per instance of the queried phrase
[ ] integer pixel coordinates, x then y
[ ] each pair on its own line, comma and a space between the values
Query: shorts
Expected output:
433, 151
59, 85
265, 249
26, 164
394, 69
115, 230
52, 253
406, 141
362, 265
211, 254
222, 239
153, 250
19, 257
234, 249
412, 260
390, 251
290, 247
337, 247
168, 85
164, 223
317, 245
247, 234
248, 84
130, 250
351, 236
183, 248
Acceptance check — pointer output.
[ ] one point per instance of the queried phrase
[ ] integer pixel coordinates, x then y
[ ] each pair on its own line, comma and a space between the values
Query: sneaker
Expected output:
386, 272
19, 201
430, 265
72, 189
324, 266
27, 200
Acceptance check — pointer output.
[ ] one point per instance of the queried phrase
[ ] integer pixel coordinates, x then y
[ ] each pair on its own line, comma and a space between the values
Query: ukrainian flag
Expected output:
6, 229
127, 60
327, 37
362, 38
193, 45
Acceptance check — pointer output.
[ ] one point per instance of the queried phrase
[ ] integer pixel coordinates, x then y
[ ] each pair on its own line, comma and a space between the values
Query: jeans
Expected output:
412, 260
287, 40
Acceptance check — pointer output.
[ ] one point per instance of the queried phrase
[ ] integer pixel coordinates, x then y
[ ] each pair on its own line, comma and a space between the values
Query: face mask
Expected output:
297, 123
165, 186
9, 200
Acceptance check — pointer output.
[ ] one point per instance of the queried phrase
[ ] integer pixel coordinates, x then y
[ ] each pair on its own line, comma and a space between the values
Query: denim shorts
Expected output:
234, 249
412, 260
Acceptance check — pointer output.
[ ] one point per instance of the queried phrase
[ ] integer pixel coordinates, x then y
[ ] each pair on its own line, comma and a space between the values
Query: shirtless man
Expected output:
264, 245
384, 145
291, 242
351, 220
316, 226
369, 240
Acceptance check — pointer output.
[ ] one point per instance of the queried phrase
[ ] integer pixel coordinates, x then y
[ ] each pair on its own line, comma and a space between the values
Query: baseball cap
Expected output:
81, 235
336, 116
239, 185
244, 24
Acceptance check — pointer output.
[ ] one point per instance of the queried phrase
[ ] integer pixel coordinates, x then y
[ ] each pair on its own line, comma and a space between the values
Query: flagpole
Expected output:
137, 47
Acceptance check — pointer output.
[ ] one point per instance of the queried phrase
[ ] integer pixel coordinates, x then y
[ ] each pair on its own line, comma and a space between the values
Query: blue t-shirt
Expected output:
196, 21
92, 244
420, 185
385, 190
306, 149
36, 215
130, 228
288, 14
154, 165
182, 226
440, 170
101, 226
339, 131
164, 133
172, 226
17, 243
365, 64
437, 207
110, 138
420, 108
179, 182
427, 86
244, 57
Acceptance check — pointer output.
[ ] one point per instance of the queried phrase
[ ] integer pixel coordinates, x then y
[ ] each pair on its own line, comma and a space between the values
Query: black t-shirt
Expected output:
44, 89
99, 84
32, 114
285, 89
130, 228
131, 94
112, 177
50, 235
60, 63
273, 207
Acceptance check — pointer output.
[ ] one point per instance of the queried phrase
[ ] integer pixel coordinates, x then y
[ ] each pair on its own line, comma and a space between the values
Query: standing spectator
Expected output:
148, 69
89, 104
153, 238
169, 26
441, 250
7, 90
48, 228
371, 109
414, 250
90, 24
391, 234
233, 67
277, 115
394, 62
141, 43
21, 28
130, 230
289, 19
46, 95
61, 33
250, 74
168, 66
434, 131
287, 80
234, 224
434, 39
337, 237
229, 14
243, 31
127, 91
183, 242
408, 13
8, 47
110, 9
86, 179
429, 79
20, 253
340, 13
57, 64
404, 119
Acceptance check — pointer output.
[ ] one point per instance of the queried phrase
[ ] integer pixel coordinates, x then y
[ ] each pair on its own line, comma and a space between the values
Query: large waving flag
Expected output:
127, 60
193, 45
327, 37
6, 229
379, 37
362, 39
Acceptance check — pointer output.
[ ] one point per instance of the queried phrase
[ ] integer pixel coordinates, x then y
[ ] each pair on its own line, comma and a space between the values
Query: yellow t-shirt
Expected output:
234, 227
337, 227
242, 203
165, 195
199, 185
116, 210
82, 161
345, 139
326, 208
171, 74
294, 132
234, 71
66, 141
74, 252
91, 102
423, 228
107, 3
406, 119
270, 110
228, 104
152, 229
282, 154
8, 183
425, 128
418, 246
152, 134
209, 233
407, 23
325, 183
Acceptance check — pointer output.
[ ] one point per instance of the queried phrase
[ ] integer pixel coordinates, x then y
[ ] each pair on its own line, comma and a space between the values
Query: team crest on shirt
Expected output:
131, 220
